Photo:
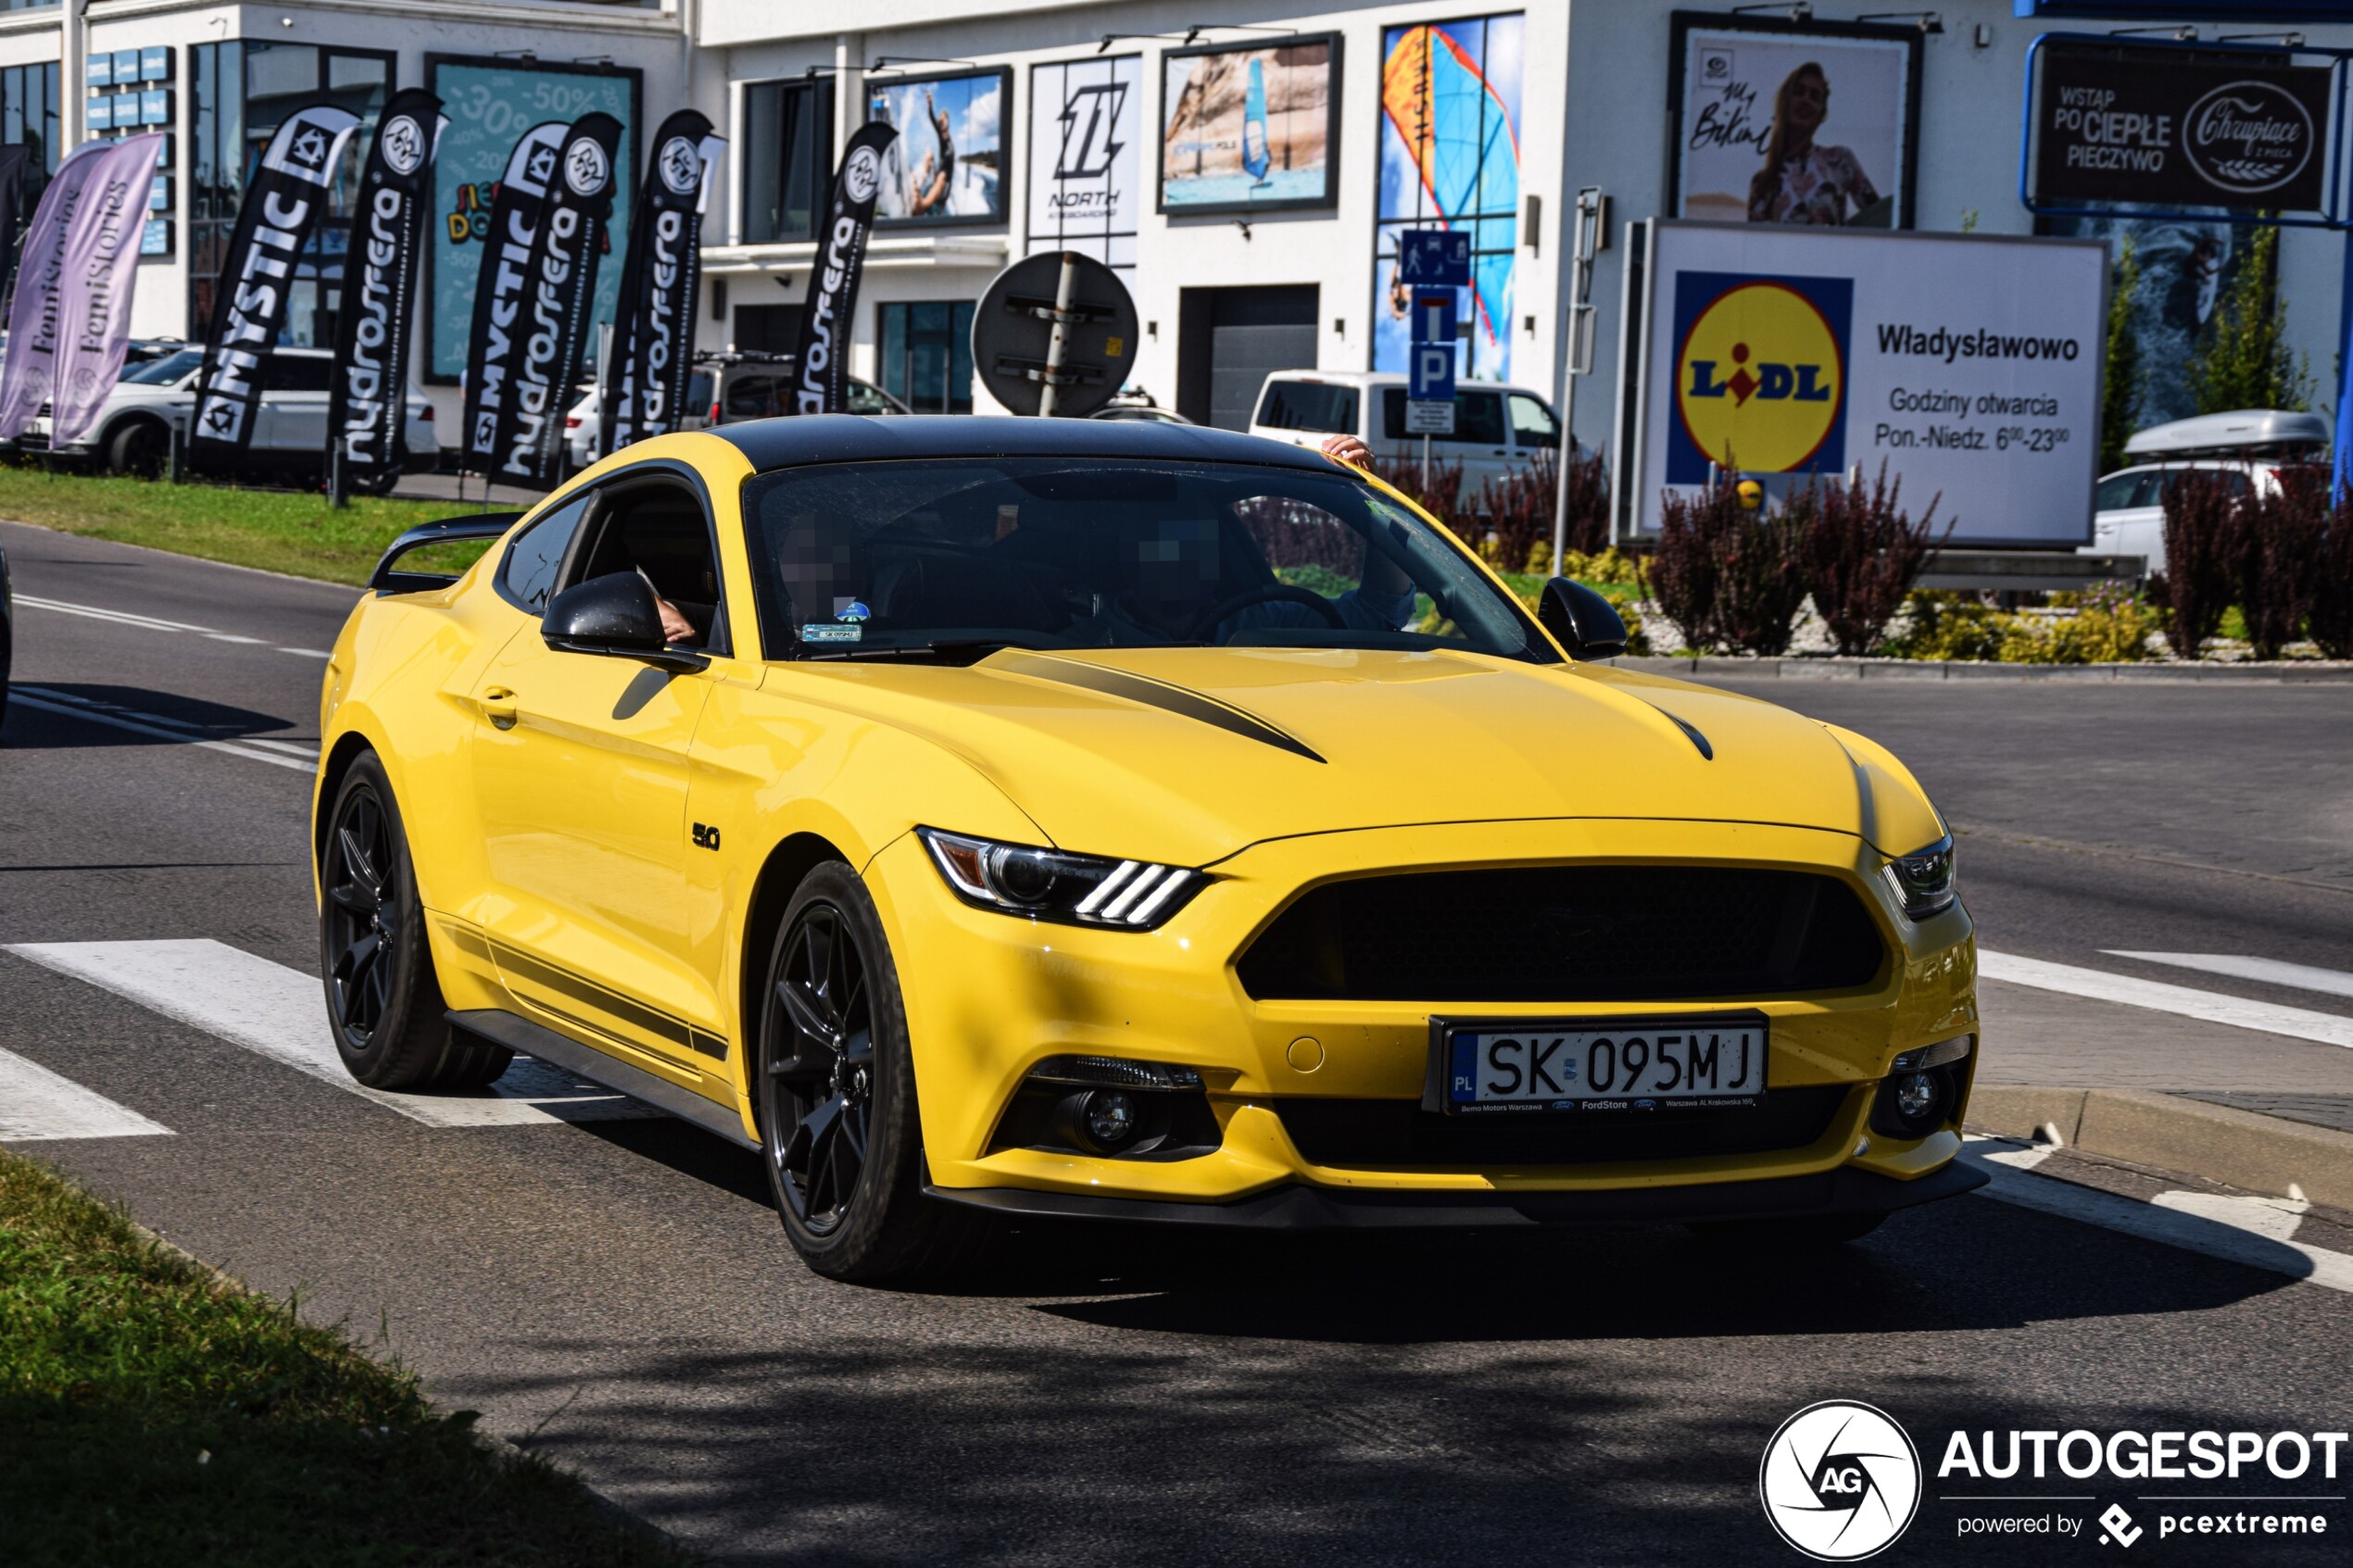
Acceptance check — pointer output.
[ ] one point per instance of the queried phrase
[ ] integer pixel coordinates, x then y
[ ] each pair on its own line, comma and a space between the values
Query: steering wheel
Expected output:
1268, 593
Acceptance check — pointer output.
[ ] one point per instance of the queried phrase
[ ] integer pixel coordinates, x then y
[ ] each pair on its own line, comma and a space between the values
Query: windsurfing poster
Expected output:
1251, 127
948, 165
1450, 131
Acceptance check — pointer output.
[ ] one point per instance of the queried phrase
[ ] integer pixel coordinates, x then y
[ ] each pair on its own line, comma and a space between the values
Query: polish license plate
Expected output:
1601, 1065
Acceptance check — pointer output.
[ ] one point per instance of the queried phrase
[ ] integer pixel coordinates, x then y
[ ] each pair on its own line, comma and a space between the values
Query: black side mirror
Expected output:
1580, 621
614, 615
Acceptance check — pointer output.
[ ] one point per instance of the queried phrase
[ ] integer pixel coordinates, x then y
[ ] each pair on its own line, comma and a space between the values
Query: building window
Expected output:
928, 356
789, 153
241, 92
28, 114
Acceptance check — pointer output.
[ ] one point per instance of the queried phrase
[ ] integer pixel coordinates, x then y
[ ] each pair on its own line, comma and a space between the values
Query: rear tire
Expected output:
835, 1079
384, 1002
138, 450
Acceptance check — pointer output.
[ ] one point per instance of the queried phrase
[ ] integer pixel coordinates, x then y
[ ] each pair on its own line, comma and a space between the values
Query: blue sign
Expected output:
1429, 364
1434, 258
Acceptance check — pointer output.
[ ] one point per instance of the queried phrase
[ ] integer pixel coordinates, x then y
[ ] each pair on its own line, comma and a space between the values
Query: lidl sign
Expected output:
1969, 366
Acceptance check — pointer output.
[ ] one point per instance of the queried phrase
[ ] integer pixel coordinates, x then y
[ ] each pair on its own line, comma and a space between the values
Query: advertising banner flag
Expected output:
29, 372
1969, 365
366, 399
285, 199
491, 350
653, 335
14, 161
100, 273
558, 290
820, 371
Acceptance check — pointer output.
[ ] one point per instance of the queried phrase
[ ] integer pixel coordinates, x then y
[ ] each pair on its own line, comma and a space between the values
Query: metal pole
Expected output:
175, 461
338, 476
1590, 228
2340, 475
1567, 456
1062, 293
1424, 468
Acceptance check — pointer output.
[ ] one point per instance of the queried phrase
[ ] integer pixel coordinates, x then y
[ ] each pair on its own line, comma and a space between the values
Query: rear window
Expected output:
1312, 405
1479, 418
754, 397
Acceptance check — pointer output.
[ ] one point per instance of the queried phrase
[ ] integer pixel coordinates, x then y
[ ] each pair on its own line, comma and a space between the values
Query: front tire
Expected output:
139, 450
384, 1002
837, 1089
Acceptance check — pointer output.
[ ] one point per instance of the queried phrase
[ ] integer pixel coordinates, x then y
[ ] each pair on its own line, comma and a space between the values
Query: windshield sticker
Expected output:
821, 632
851, 610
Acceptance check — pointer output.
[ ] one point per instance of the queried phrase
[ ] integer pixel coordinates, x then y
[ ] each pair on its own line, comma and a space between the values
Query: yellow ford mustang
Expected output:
990, 816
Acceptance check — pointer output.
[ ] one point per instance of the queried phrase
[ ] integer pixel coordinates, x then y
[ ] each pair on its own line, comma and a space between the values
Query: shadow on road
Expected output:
59, 723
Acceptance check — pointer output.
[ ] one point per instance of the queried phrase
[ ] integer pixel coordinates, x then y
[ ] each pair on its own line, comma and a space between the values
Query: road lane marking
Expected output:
37, 1105
2300, 976
155, 727
279, 1012
2216, 1231
152, 623
2210, 1007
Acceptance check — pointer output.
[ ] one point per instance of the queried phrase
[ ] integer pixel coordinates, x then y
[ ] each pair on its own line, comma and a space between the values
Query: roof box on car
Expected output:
2246, 432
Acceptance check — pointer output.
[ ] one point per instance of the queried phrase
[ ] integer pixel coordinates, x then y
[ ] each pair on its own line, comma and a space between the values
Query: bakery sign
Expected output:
2177, 128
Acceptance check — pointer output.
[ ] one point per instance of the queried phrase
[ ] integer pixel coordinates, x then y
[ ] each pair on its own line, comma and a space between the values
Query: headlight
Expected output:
1049, 885
1923, 880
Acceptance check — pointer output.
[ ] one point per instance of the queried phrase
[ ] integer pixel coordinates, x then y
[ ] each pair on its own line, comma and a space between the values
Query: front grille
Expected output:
1568, 934
1382, 1134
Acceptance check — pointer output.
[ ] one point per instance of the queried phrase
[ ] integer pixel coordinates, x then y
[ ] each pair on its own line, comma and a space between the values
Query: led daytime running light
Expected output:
1051, 884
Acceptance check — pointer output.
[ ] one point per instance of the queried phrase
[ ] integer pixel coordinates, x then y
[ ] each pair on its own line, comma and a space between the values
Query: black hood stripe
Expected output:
1152, 693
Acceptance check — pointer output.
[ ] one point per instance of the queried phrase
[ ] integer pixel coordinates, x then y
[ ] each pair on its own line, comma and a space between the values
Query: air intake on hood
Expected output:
1568, 934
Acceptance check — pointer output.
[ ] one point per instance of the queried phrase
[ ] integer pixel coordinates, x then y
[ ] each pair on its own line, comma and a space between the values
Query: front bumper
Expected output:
988, 997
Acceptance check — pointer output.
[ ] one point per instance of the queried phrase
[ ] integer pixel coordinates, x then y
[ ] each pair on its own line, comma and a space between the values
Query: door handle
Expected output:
499, 706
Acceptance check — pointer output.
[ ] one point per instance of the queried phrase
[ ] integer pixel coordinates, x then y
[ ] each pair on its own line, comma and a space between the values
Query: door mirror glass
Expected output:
614, 615
1584, 623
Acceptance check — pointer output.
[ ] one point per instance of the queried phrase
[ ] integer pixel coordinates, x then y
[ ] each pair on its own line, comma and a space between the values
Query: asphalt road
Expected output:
617, 1294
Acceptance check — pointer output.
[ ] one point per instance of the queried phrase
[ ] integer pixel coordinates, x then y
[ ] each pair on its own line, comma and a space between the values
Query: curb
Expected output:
1830, 668
2240, 1148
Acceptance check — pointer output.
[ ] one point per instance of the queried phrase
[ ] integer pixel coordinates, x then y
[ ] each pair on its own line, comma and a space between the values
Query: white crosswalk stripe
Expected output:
36, 1105
2210, 1007
2276, 972
279, 1012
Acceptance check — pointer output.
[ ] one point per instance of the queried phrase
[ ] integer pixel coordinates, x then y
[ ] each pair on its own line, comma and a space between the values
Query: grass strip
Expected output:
277, 530
151, 1412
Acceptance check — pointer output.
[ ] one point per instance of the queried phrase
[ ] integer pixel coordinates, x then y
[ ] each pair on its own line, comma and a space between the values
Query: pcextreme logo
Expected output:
1840, 1481
1760, 374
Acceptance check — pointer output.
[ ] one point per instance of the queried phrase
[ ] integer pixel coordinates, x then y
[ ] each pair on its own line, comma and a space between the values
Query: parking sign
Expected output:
1434, 258
1431, 364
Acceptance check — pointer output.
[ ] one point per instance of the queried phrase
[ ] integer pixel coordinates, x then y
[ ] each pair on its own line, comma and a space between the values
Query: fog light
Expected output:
1110, 1117
1916, 1096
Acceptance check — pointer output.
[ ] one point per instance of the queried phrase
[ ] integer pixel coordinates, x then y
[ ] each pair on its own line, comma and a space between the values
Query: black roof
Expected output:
842, 438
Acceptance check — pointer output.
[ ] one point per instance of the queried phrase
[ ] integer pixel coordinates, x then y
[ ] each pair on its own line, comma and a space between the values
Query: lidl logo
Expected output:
1760, 374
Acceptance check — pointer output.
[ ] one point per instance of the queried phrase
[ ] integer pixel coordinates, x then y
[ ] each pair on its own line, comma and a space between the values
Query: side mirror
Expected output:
1580, 621
615, 616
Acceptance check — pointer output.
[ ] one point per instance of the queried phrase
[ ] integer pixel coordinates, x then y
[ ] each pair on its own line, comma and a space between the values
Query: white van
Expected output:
2245, 450
1498, 427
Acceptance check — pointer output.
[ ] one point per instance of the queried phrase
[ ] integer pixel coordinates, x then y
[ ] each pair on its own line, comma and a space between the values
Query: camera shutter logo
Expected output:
403, 144
862, 177
584, 167
1840, 1481
2248, 137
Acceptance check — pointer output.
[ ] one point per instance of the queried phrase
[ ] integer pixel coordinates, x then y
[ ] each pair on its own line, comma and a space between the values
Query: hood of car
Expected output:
1187, 754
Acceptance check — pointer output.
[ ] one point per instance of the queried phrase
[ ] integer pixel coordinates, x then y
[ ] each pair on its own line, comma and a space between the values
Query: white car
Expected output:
727, 388
132, 434
1498, 427
2245, 450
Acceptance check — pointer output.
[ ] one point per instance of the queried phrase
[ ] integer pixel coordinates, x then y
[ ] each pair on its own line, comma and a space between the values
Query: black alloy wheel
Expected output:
835, 1079
383, 1000
823, 1089
140, 449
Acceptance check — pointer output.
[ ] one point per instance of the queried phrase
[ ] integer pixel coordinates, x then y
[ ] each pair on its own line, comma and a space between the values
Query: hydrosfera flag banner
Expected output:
645, 390
821, 370
560, 286
94, 292
285, 199
499, 288
367, 398
28, 373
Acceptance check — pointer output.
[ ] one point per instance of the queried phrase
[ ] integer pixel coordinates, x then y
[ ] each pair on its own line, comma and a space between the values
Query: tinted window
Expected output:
2115, 492
1479, 418
866, 397
2234, 482
296, 372
755, 397
1533, 424
534, 558
164, 371
888, 558
1312, 405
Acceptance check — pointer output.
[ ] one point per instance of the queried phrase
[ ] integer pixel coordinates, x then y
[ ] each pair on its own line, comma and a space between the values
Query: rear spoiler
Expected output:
448, 531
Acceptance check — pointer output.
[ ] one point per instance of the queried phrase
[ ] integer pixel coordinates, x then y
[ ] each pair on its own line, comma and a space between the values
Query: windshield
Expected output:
164, 371
892, 558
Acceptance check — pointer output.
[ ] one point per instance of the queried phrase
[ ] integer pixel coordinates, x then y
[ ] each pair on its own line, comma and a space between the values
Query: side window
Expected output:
296, 372
1533, 424
528, 578
658, 528
1310, 406
1479, 418
2116, 491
